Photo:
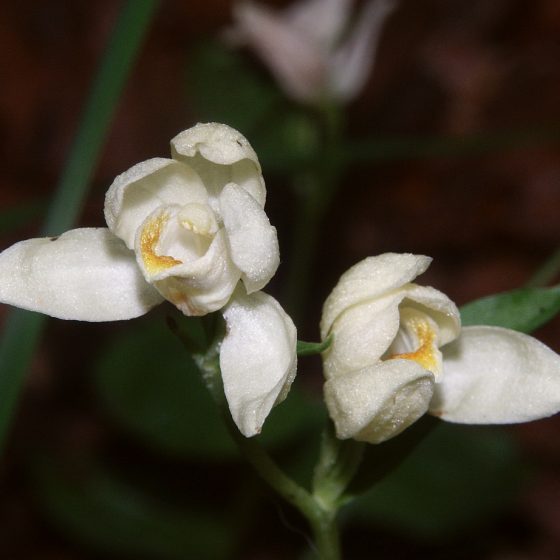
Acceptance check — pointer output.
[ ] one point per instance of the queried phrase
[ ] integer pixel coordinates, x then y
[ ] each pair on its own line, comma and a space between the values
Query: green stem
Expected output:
326, 537
321, 519
315, 189
23, 329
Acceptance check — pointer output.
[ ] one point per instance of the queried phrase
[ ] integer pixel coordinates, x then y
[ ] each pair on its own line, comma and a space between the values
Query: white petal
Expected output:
321, 20
295, 60
377, 403
192, 271
252, 240
362, 335
85, 274
440, 308
371, 278
257, 358
137, 192
220, 155
352, 63
497, 376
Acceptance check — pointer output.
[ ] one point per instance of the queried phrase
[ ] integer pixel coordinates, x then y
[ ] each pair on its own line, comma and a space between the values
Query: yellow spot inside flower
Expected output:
426, 354
149, 238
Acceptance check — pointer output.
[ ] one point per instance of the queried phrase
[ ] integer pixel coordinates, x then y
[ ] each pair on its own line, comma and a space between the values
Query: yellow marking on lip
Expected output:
149, 238
425, 355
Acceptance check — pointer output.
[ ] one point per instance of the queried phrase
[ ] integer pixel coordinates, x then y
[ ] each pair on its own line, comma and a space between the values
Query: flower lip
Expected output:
417, 340
149, 239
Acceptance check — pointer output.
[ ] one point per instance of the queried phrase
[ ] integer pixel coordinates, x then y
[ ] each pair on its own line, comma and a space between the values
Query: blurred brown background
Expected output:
489, 216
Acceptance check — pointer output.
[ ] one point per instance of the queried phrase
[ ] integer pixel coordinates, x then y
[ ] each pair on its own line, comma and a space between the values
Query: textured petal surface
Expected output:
196, 275
85, 274
377, 403
352, 63
220, 155
257, 358
252, 240
362, 334
137, 192
296, 61
497, 376
440, 308
371, 278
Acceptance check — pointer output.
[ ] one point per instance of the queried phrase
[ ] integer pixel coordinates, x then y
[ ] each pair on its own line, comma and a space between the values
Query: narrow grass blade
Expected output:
23, 329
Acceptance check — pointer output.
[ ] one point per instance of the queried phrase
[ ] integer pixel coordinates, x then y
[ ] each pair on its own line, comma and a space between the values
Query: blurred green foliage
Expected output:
523, 310
17, 216
225, 87
98, 508
151, 386
458, 478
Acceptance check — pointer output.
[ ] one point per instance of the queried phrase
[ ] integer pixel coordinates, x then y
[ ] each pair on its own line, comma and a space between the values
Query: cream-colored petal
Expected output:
351, 64
497, 376
257, 358
220, 155
139, 191
323, 21
297, 62
362, 334
438, 306
252, 240
85, 274
192, 270
371, 278
378, 402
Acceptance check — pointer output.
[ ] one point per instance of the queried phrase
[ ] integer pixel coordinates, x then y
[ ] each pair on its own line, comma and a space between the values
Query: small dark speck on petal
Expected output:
53, 238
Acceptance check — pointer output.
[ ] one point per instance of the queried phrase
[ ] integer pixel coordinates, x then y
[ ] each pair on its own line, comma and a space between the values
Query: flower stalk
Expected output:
319, 507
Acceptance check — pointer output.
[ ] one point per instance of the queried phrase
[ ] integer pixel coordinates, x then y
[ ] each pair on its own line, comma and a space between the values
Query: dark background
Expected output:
487, 211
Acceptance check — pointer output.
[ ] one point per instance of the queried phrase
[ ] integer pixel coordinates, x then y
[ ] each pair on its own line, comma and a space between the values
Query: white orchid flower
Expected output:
398, 351
304, 46
191, 230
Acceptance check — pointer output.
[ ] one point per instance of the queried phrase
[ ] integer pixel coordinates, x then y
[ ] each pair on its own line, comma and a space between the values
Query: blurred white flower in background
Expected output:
312, 48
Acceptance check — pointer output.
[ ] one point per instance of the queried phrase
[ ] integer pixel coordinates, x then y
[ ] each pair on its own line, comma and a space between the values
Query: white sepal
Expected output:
352, 62
137, 192
362, 334
371, 278
494, 375
378, 402
323, 21
252, 240
257, 358
85, 274
220, 155
297, 62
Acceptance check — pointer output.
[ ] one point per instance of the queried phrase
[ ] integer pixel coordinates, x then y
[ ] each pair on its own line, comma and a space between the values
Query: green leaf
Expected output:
151, 386
523, 310
458, 477
103, 511
23, 329
312, 348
